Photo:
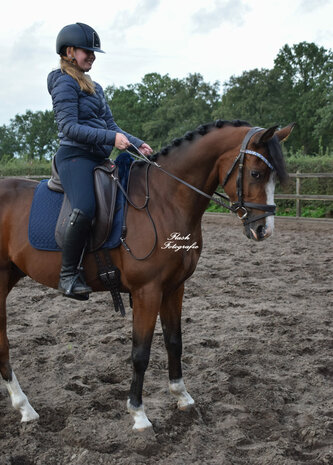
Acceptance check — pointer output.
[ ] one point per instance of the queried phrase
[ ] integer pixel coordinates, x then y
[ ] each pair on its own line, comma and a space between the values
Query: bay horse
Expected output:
162, 248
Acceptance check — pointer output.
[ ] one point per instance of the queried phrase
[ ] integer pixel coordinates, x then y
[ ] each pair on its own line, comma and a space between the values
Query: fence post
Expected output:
298, 191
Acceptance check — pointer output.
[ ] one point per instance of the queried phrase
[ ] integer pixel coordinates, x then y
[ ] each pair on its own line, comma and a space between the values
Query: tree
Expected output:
8, 143
161, 108
126, 108
297, 89
253, 97
323, 128
192, 104
35, 133
306, 76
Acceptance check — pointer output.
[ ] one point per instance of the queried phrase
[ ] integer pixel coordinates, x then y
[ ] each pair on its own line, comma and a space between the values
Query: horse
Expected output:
167, 197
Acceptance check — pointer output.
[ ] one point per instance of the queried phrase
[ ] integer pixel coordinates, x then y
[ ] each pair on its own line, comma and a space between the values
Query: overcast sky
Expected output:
217, 38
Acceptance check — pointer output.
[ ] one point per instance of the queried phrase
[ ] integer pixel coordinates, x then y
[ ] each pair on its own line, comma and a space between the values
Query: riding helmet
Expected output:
78, 35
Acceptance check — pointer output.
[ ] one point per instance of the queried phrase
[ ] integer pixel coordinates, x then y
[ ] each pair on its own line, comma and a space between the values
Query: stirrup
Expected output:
80, 297
67, 286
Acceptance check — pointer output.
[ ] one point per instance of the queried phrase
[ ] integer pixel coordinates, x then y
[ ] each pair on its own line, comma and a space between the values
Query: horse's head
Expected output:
250, 180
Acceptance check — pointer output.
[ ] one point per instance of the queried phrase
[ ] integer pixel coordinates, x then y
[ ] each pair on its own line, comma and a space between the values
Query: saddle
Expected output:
105, 180
106, 184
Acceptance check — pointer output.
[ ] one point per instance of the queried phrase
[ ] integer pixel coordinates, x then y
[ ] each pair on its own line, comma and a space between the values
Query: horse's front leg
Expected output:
146, 303
170, 314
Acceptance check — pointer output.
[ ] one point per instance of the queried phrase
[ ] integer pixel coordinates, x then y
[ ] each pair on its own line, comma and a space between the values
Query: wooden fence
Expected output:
298, 197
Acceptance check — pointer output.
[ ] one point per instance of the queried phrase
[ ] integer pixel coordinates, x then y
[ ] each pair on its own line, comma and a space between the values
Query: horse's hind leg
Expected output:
8, 278
170, 314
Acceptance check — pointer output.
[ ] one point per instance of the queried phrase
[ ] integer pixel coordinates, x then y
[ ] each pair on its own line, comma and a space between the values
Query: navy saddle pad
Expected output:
46, 207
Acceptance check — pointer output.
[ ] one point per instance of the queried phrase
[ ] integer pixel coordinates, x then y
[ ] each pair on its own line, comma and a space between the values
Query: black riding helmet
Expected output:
78, 35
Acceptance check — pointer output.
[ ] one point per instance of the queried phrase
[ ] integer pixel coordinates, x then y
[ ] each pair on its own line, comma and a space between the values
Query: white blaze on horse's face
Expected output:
268, 229
270, 188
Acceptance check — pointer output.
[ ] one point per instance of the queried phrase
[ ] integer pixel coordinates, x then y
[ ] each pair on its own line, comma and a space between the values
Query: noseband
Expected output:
240, 205
235, 207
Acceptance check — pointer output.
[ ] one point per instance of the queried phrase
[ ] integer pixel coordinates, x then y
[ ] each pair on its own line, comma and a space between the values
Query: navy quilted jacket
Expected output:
83, 120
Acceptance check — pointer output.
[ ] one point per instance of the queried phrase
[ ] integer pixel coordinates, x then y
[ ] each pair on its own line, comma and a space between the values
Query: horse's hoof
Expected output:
185, 407
141, 422
143, 429
29, 414
177, 388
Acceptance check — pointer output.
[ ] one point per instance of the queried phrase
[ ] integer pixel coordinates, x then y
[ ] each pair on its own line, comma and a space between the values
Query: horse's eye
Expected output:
255, 174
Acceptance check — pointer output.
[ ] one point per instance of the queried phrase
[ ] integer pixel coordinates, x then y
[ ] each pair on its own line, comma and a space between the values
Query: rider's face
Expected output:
84, 59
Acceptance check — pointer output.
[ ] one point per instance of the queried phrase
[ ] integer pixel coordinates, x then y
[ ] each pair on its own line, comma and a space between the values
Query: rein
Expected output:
144, 206
237, 206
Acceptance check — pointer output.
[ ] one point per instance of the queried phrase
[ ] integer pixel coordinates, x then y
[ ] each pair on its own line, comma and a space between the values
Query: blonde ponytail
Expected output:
84, 80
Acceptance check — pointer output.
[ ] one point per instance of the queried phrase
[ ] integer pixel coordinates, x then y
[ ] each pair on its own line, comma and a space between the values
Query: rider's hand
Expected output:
121, 141
145, 149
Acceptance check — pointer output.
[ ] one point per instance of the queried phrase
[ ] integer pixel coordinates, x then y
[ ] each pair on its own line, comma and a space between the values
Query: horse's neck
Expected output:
195, 163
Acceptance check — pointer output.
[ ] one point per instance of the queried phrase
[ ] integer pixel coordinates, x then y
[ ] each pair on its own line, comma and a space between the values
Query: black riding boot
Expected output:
72, 283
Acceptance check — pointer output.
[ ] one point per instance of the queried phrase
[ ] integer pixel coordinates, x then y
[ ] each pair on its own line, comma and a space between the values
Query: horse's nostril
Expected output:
261, 231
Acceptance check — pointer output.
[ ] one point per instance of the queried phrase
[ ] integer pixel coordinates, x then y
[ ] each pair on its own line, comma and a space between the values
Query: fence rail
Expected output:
35, 176
298, 197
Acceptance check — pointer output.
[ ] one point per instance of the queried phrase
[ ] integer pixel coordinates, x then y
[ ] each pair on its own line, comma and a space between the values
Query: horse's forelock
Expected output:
275, 157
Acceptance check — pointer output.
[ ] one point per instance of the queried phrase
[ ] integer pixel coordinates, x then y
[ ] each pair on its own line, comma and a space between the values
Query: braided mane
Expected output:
275, 155
200, 131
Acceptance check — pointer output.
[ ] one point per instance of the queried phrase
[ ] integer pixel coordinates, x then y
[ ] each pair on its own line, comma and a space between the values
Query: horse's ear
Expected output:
284, 133
264, 137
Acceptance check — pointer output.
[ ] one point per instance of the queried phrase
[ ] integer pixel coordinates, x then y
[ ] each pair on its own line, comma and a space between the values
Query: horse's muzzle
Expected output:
258, 232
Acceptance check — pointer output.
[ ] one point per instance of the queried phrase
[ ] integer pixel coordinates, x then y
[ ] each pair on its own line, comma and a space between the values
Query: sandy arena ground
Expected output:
258, 340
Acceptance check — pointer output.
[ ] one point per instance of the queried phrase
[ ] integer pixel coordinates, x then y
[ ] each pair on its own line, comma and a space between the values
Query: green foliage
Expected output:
32, 135
246, 97
8, 143
161, 108
307, 211
298, 89
24, 167
126, 108
312, 186
215, 208
309, 164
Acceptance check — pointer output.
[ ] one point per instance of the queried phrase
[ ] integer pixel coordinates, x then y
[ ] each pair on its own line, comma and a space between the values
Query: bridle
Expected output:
239, 205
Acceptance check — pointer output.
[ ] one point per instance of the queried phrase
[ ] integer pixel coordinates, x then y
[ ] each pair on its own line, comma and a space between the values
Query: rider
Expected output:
87, 133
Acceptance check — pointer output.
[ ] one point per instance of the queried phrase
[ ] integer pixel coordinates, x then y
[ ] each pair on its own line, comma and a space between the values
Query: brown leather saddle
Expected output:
105, 179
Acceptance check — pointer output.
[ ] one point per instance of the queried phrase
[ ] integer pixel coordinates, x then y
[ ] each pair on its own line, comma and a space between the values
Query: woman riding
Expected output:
87, 133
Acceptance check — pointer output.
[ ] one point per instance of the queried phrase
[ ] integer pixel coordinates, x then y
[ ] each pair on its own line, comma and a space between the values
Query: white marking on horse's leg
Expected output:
20, 401
270, 188
178, 389
141, 421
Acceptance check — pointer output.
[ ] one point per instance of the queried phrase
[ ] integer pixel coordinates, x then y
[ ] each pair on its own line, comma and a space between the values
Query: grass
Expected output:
23, 167
288, 208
